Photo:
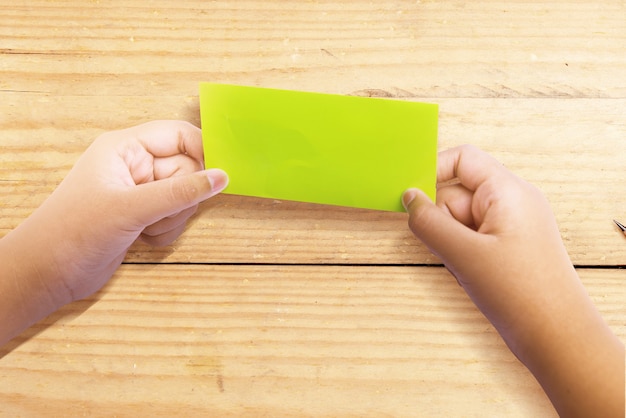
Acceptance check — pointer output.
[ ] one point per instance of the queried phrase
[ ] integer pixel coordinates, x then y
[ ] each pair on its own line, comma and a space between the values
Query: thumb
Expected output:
153, 201
447, 238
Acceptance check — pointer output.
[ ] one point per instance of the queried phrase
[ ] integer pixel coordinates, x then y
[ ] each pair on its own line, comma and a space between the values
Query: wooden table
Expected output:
274, 308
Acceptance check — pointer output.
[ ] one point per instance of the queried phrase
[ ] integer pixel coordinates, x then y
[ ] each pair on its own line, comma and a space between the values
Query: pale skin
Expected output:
139, 183
149, 179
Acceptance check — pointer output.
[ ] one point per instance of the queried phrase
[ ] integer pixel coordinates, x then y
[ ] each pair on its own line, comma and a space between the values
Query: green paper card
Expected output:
319, 148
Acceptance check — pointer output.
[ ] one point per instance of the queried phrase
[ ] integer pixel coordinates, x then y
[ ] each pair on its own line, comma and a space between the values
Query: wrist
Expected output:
572, 353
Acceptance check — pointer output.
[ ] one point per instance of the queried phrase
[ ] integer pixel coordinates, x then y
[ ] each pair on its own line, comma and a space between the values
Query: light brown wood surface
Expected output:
275, 308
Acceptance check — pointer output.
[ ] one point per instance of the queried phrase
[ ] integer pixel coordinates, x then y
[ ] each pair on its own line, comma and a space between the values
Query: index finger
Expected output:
469, 164
166, 138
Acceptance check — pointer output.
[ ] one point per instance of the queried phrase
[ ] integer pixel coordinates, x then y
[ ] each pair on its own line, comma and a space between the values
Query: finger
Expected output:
159, 199
175, 165
457, 201
446, 237
170, 223
469, 164
164, 239
169, 137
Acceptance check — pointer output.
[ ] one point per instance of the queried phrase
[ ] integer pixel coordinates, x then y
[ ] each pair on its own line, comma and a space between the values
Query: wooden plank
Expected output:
539, 84
277, 340
566, 147
407, 48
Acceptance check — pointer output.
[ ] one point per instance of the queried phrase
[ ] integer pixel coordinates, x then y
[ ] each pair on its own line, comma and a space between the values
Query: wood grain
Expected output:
540, 85
425, 48
573, 161
276, 340
289, 309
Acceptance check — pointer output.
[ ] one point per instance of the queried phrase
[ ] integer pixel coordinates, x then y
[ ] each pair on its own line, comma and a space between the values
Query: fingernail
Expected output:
408, 197
218, 179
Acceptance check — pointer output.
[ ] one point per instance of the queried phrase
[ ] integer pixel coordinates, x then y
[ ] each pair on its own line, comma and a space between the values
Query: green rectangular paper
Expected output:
319, 148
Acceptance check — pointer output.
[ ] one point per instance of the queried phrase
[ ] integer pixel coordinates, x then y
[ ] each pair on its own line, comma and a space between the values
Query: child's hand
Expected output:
142, 182
498, 237
495, 233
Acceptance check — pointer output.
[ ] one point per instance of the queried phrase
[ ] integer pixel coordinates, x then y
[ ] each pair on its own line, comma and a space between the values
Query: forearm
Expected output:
588, 380
583, 371
575, 357
28, 280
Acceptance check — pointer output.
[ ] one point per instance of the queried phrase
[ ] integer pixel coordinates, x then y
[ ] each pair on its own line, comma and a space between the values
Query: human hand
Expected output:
498, 236
494, 232
142, 182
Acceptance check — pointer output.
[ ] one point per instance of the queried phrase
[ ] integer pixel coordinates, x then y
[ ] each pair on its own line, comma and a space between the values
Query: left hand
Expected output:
142, 182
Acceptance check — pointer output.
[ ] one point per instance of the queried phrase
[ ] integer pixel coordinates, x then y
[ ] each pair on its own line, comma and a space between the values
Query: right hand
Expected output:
495, 233
498, 236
